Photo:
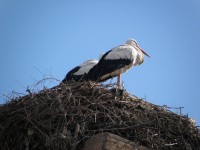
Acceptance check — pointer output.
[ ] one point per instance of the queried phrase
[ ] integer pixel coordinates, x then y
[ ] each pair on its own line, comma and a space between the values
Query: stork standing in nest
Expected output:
117, 61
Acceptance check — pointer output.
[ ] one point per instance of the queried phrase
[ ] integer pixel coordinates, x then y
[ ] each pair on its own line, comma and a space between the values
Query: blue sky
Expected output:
49, 37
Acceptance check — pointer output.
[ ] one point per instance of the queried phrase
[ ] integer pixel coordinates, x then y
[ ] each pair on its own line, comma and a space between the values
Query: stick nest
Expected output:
65, 116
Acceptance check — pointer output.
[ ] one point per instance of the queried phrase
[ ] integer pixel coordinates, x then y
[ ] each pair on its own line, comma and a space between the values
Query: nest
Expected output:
65, 116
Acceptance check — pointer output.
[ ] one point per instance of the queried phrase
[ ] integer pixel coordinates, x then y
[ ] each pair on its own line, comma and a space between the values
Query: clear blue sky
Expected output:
51, 37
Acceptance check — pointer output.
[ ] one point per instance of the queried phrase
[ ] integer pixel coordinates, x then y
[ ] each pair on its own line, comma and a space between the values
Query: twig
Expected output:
76, 136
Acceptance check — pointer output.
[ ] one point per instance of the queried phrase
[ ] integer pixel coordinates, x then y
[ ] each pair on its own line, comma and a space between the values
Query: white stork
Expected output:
80, 73
117, 61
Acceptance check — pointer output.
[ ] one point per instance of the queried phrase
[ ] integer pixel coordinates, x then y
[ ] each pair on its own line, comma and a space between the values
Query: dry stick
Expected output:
39, 82
76, 136
32, 123
26, 143
110, 112
122, 128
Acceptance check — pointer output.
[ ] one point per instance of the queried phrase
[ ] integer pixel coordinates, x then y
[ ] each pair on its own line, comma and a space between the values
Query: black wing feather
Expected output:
70, 76
107, 66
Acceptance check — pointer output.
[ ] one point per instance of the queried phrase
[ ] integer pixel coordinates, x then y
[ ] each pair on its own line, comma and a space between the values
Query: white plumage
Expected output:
122, 52
80, 73
86, 66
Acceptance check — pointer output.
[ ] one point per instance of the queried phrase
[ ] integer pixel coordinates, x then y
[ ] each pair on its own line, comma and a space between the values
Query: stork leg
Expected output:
118, 81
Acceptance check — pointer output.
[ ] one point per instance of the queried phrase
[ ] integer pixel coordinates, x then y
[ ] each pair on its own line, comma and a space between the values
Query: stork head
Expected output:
133, 43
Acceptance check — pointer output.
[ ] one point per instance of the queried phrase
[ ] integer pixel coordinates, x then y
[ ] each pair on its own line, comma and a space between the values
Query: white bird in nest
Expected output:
117, 61
80, 73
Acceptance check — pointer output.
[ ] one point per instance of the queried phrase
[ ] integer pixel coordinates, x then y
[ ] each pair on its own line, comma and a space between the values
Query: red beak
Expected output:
145, 53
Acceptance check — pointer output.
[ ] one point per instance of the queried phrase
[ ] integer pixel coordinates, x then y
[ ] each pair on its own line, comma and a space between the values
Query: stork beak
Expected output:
145, 53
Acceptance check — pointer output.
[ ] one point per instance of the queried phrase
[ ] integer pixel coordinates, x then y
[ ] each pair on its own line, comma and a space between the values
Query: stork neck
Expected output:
139, 58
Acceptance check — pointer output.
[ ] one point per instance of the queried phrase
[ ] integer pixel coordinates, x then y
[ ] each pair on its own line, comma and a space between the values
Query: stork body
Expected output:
80, 73
117, 61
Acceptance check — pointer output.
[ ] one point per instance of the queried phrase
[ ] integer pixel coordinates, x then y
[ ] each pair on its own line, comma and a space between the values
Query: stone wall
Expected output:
108, 141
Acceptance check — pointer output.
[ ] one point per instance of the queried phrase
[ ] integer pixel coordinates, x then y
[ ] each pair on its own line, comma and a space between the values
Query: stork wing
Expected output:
69, 75
107, 67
